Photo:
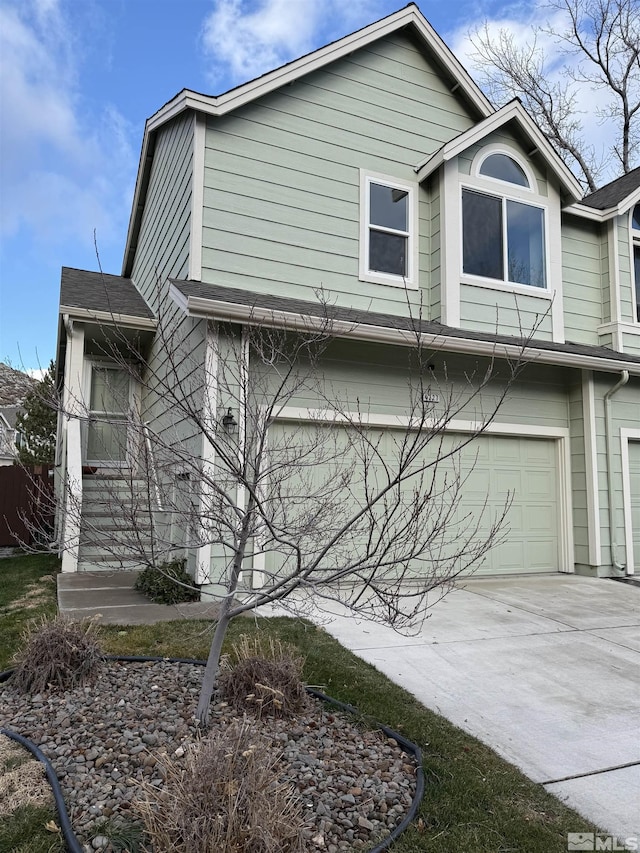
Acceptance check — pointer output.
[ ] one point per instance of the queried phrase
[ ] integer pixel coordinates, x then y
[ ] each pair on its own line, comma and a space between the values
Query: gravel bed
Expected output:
356, 784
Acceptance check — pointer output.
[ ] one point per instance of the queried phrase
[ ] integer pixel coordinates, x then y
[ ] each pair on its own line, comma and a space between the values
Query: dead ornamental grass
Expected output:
223, 797
263, 677
58, 654
22, 779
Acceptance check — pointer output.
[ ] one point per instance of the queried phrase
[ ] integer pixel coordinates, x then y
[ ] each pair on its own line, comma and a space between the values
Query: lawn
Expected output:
474, 802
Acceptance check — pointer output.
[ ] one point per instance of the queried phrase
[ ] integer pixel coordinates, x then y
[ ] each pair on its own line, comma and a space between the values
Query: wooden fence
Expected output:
26, 504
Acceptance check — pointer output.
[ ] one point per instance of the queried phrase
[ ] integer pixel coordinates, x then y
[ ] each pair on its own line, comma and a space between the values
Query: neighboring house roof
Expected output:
511, 112
14, 385
227, 303
410, 17
614, 193
100, 296
10, 415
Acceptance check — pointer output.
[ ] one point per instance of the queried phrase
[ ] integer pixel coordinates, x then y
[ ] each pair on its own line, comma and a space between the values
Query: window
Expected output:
635, 233
503, 238
388, 233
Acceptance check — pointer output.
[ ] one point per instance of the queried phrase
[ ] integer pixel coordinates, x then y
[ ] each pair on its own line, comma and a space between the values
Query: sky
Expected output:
78, 79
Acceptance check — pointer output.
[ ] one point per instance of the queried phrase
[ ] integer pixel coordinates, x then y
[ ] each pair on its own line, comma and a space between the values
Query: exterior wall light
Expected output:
229, 423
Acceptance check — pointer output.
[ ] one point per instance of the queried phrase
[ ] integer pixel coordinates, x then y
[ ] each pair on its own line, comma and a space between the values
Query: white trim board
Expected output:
627, 435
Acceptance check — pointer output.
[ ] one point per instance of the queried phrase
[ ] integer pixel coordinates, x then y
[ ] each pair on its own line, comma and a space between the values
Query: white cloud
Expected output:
60, 163
246, 39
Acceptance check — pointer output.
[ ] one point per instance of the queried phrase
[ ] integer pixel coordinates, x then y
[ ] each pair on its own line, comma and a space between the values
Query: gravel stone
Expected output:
356, 784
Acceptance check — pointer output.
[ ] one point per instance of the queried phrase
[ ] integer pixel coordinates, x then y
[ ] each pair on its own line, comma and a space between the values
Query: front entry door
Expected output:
109, 404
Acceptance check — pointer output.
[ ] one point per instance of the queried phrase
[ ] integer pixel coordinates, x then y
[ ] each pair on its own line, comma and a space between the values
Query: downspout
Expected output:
624, 378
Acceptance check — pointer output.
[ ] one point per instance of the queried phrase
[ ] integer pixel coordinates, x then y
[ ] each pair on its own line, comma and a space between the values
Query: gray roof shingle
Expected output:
615, 192
95, 291
217, 293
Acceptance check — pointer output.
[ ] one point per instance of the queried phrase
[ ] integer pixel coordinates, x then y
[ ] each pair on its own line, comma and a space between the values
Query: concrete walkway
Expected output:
111, 598
544, 669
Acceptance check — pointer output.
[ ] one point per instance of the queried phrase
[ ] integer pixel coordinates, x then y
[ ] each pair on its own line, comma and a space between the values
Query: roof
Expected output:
513, 111
98, 293
409, 17
14, 386
201, 299
614, 193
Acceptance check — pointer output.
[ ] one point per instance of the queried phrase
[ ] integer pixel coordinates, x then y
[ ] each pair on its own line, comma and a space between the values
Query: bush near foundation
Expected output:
167, 583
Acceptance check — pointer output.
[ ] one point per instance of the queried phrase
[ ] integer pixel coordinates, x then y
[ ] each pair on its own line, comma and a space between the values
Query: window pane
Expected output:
389, 207
107, 441
387, 253
482, 235
504, 169
635, 221
109, 390
525, 242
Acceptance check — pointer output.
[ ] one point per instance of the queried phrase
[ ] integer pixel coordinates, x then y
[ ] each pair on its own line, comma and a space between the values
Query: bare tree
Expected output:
600, 39
260, 462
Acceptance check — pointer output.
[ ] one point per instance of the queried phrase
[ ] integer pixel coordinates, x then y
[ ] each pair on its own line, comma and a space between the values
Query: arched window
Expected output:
504, 168
503, 234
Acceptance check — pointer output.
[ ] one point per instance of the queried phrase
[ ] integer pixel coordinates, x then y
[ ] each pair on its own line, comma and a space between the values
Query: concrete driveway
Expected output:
544, 669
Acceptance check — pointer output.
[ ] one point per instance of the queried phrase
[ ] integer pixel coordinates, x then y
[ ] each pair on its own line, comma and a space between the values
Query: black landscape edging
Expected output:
65, 824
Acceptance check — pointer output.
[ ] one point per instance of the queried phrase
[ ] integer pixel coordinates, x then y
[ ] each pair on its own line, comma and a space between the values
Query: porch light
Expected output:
229, 423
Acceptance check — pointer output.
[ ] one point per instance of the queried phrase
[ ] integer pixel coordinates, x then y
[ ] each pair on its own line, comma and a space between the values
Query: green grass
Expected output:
27, 591
24, 832
474, 802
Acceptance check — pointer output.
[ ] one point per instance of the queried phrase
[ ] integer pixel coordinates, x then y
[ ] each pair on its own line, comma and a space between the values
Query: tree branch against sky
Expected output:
588, 46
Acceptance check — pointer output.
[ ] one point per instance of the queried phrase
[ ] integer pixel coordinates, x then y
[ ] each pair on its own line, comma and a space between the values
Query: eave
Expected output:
245, 313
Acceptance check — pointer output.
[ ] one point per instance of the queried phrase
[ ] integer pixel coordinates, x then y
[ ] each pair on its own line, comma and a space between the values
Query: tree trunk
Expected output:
213, 661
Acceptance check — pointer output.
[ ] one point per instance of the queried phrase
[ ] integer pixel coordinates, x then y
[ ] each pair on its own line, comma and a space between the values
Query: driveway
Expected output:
544, 669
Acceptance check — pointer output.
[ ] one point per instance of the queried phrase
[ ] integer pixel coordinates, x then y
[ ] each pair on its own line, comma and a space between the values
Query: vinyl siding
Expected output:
485, 309
582, 273
375, 379
627, 301
578, 476
432, 187
177, 354
282, 175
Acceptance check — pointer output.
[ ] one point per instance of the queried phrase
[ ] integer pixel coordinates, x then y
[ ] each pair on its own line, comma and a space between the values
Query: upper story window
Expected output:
635, 235
388, 231
503, 232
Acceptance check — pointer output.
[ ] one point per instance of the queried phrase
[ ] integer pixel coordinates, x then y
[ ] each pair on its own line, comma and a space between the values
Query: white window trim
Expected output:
479, 185
496, 148
410, 281
634, 242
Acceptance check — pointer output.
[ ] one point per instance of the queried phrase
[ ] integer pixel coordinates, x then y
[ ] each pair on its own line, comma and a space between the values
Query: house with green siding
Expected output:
369, 188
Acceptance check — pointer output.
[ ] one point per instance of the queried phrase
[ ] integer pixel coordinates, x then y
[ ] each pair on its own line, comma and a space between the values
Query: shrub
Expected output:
57, 653
167, 584
224, 795
264, 677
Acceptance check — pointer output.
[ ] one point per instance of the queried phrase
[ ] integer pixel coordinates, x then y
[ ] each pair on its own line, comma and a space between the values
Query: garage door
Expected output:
494, 466
634, 489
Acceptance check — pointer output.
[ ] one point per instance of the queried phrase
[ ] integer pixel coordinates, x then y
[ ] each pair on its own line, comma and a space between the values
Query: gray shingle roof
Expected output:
14, 385
94, 291
615, 192
218, 293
